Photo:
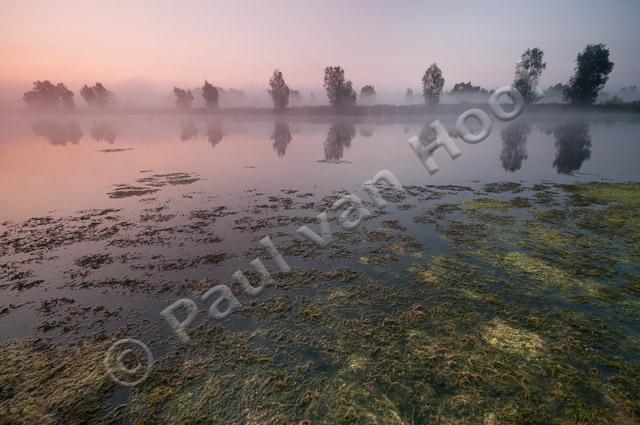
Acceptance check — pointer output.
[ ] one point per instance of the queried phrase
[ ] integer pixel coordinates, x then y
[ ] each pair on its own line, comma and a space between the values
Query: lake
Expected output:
506, 281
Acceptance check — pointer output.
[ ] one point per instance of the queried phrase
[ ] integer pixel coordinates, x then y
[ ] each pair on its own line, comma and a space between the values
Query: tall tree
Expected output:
184, 98
528, 72
279, 91
591, 74
339, 91
432, 84
368, 95
210, 95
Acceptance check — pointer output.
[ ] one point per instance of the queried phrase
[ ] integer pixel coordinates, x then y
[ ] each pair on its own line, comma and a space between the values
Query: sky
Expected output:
148, 44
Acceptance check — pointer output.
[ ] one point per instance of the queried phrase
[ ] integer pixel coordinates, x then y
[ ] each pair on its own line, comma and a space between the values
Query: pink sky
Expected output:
239, 43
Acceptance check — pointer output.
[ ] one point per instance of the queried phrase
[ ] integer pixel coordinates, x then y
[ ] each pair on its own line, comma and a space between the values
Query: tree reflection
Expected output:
339, 137
281, 137
514, 145
214, 134
58, 132
101, 130
573, 144
188, 130
366, 130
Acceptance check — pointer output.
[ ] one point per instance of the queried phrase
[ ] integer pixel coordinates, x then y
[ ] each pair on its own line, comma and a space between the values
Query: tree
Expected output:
432, 84
339, 91
279, 91
368, 95
555, 92
296, 98
184, 98
591, 74
46, 96
528, 72
463, 88
97, 96
210, 95
408, 97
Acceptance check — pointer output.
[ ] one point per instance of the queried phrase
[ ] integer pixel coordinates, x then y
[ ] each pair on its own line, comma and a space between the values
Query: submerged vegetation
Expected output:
525, 312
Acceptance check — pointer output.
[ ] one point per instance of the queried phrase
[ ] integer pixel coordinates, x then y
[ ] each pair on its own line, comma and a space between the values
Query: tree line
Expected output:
591, 73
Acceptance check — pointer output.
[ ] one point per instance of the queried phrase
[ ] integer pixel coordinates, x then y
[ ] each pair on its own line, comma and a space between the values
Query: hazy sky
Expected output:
239, 43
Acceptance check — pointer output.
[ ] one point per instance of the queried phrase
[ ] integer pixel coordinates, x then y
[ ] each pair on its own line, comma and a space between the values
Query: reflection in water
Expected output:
427, 135
188, 130
366, 130
101, 130
58, 132
281, 137
214, 133
514, 145
573, 144
339, 137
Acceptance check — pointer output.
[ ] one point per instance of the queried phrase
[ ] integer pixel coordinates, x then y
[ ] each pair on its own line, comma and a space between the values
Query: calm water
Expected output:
157, 171
66, 165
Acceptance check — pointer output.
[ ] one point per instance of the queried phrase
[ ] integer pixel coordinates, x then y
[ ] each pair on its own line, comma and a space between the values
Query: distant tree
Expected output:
555, 92
233, 97
281, 137
528, 72
463, 88
46, 96
97, 96
408, 97
339, 91
184, 98
368, 95
279, 91
295, 97
591, 74
432, 84
210, 95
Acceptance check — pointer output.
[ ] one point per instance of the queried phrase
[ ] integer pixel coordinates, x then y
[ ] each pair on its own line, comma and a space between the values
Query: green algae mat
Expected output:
501, 304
